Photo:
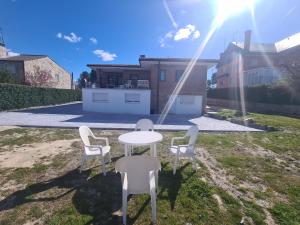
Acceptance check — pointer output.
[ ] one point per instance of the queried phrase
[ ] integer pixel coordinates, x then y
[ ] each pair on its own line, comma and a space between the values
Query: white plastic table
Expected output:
140, 138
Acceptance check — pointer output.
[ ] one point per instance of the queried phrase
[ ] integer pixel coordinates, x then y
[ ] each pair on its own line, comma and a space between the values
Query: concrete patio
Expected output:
71, 116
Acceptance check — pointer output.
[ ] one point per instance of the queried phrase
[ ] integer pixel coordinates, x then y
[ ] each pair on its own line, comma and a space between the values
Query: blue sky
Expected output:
75, 33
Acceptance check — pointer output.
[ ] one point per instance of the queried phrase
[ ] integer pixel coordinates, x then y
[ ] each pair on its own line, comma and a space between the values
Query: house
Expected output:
258, 63
146, 87
20, 66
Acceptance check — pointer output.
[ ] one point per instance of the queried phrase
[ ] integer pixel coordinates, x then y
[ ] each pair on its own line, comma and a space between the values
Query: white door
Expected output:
187, 104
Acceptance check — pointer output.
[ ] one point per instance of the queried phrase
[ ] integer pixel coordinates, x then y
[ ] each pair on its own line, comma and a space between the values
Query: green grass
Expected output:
255, 212
67, 197
285, 214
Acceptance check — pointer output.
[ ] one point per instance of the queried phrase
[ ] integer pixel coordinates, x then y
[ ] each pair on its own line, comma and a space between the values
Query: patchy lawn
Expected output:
250, 177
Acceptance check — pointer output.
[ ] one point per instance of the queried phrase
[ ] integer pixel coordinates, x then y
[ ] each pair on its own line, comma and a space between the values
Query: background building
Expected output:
19, 66
160, 76
251, 64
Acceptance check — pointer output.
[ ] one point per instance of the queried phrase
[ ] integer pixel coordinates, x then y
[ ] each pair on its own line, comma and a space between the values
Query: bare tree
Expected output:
39, 78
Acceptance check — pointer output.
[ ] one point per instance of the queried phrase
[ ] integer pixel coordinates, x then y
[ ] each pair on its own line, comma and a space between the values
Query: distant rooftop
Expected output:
285, 44
143, 58
23, 57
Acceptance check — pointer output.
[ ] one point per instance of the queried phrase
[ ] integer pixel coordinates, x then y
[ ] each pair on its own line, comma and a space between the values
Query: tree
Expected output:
93, 76
6, 77
83, 79
39, 78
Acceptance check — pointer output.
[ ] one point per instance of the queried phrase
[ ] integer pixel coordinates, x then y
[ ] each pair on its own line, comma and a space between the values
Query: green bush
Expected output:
279, 94
15, 96
6, 77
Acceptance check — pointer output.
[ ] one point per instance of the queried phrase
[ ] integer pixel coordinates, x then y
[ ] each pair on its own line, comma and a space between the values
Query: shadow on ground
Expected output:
98, 197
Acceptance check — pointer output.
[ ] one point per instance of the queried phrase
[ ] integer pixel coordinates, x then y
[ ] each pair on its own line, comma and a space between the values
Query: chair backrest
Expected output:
138, 169
192, 133
84, 133
144, 125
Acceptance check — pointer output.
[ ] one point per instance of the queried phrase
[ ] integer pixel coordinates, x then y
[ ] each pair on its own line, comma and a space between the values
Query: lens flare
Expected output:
228, 8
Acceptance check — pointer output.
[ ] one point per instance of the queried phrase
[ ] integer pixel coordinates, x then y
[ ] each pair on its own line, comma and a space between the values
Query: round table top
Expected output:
140, 138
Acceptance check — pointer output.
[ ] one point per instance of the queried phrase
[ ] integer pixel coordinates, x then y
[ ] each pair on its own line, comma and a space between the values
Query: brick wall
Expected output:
61, 77
194, 85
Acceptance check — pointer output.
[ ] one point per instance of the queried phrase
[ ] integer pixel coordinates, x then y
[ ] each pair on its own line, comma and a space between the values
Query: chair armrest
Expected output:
94, 146
102, 138
176, 138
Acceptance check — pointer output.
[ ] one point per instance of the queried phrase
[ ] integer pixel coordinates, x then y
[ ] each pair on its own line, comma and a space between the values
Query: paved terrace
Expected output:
72, 116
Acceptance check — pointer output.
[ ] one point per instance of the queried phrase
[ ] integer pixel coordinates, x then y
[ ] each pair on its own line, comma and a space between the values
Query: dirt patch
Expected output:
28, 155
221, 178
3, 128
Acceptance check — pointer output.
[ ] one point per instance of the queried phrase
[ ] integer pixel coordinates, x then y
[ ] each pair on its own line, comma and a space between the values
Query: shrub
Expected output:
6, 77
19, 96
279, 94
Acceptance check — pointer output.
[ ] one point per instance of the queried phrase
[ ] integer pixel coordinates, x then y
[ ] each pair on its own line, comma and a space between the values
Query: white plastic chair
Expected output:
144, 125
93, 150
139, 175
185, 150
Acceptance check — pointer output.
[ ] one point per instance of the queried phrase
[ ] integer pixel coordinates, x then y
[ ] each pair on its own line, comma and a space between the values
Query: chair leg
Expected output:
109, 157
175, 165
103, 165
193, 163
156, 179
153, 205
83, 159
124, 206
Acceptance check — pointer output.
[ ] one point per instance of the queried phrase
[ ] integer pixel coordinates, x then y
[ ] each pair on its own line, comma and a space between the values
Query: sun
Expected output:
228, 8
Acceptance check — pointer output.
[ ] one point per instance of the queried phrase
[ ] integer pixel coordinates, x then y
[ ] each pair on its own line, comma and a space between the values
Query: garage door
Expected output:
187, 104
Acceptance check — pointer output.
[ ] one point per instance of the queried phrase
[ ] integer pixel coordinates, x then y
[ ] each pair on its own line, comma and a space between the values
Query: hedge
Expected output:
13, 96
261, 94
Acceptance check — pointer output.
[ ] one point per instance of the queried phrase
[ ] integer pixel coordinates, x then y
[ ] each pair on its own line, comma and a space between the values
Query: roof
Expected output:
289, 42
23, 57
115, 65
177, 60
254, 47
285, 44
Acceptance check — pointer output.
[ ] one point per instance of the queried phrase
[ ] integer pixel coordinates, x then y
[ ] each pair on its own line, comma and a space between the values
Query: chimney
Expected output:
247, 40
3, 52
142, 56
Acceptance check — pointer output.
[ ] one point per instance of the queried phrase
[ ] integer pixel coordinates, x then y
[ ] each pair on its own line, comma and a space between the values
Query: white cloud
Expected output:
196, 35
10, 53
59, 35
162, 41
105, 56
184, 33
94, 40
73, 38
187, 32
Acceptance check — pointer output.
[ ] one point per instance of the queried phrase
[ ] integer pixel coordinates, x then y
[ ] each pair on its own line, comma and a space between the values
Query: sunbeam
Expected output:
186, 74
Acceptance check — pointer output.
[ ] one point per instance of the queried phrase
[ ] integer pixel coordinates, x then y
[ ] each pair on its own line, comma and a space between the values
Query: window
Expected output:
178, 74
132, 98
100, 97
187, 99
162, 75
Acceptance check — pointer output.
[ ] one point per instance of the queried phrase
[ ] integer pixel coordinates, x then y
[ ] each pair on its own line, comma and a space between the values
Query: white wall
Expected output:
187, 104
114, 100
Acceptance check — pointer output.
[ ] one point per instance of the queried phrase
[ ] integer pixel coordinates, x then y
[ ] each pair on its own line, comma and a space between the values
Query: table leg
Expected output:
153, 150
126, 149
